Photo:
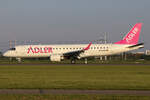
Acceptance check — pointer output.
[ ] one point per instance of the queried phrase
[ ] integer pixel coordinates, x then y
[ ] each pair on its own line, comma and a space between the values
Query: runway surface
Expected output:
31, 64
51, 91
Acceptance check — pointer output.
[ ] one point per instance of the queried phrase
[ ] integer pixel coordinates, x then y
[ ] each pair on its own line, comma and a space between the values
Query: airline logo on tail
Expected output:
133, 36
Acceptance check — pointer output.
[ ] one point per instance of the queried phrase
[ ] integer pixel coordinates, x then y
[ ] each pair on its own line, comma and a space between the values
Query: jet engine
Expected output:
56, 58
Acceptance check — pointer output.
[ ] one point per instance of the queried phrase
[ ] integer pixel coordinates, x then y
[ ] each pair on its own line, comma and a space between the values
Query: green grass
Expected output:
72, 97
127, 77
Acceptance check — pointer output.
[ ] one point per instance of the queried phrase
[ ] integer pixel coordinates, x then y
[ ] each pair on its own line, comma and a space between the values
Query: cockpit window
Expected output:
12, 49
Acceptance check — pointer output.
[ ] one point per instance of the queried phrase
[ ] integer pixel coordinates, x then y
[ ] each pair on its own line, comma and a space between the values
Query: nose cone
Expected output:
5, 54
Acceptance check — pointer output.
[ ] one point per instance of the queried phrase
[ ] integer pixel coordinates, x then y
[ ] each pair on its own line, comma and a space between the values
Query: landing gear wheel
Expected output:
73, 61
85, 61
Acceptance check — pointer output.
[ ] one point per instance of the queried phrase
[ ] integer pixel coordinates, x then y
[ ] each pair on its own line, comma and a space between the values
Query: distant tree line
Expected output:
0, 54
145, 57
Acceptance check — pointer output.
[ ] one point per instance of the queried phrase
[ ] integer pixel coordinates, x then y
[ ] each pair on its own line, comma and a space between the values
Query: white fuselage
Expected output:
26, 51
77, 51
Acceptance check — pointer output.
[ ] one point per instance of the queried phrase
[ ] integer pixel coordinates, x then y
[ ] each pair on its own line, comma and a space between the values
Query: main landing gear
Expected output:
85, 61
73, 61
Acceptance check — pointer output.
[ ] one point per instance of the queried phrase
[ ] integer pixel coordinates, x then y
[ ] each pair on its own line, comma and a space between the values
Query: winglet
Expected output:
88, 46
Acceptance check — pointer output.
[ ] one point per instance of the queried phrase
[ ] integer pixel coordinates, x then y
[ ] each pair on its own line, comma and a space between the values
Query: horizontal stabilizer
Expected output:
140, 44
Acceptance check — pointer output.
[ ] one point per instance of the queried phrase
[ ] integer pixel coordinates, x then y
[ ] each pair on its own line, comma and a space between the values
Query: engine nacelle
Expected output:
57, 58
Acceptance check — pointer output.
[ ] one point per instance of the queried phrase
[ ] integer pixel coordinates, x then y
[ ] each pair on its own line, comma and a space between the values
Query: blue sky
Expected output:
67, 20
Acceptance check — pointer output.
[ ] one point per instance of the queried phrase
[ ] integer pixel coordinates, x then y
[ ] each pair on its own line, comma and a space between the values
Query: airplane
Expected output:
58, 52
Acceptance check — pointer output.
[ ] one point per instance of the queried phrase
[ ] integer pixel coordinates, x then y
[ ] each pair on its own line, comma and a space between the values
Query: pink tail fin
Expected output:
133, 36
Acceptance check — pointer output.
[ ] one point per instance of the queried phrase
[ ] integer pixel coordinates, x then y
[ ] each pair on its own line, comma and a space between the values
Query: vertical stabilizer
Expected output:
133, 36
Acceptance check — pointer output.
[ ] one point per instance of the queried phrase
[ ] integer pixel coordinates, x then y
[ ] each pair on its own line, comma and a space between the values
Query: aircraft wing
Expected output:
75, 54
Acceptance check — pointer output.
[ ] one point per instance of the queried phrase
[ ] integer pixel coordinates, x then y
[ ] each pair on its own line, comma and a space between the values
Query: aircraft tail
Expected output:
133, 36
